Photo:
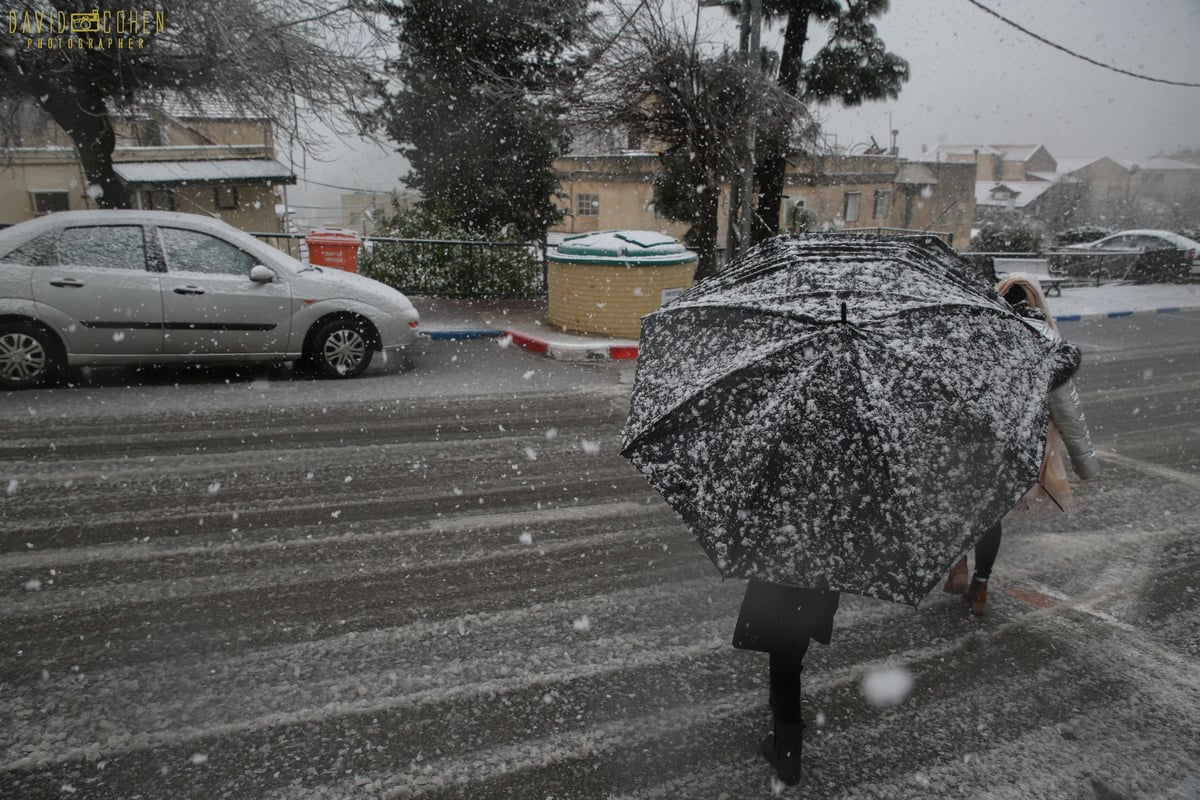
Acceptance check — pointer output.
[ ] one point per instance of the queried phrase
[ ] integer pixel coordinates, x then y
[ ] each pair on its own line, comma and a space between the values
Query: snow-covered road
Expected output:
455, 596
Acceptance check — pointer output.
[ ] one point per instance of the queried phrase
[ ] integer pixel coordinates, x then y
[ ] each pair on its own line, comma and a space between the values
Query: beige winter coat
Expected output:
1068, 427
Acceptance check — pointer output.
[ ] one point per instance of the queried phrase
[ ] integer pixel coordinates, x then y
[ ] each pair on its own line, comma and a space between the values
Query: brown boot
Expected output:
977, 595
956, 581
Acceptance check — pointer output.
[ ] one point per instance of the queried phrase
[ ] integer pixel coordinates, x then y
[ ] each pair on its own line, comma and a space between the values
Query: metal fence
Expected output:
1090, 267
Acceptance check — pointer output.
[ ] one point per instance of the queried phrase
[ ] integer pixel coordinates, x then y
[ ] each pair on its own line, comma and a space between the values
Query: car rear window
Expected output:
106, 246
37, 252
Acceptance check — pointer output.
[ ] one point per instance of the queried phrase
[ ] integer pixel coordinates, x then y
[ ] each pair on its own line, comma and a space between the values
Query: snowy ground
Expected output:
376, 592
1115, 299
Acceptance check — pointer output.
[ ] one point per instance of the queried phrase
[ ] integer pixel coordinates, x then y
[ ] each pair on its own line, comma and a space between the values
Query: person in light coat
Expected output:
1068, 431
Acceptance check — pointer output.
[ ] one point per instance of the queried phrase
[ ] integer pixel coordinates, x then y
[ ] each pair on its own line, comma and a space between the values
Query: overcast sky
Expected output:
974, 80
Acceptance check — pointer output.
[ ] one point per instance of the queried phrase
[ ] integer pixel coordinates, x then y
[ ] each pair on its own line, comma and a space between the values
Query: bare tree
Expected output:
293, 62
654, 80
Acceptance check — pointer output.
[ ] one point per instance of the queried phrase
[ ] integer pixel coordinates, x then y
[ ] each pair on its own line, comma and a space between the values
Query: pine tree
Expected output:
479, 108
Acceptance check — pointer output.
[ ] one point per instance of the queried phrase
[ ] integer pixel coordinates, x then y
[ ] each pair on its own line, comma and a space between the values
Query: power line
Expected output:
348, 188
1080, 56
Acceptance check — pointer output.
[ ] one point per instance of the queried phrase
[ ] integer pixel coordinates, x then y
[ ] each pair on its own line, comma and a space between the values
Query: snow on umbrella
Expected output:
840, 412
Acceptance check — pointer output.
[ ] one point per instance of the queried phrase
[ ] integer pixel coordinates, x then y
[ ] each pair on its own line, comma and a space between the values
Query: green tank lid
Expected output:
628, 248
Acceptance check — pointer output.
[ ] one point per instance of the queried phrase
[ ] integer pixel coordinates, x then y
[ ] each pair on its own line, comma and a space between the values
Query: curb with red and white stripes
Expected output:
618, 350
582, 350
575, 351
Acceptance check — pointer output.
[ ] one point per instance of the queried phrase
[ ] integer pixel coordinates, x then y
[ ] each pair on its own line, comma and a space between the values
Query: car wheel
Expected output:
341, 348
29, 356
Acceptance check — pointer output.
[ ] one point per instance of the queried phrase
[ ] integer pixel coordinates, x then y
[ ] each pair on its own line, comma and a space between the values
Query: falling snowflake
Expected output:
214, 487
525, 538
887, 687
590, 447
583, 624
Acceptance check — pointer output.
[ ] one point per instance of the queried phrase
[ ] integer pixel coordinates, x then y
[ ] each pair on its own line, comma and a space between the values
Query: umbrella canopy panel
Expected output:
858, 447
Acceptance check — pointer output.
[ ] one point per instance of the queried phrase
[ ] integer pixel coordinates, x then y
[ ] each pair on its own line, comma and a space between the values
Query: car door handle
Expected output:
68, 282
189, 290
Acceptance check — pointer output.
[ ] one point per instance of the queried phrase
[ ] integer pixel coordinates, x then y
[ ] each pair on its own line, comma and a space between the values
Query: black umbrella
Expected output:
840, 412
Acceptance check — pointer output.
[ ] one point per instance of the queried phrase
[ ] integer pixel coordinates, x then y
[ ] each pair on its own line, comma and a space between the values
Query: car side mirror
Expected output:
261, 274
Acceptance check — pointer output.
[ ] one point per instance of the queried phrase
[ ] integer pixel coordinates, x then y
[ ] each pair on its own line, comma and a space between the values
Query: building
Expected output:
1169, 181
996, 163
208, 160
1026, 179
364, 211
870, 192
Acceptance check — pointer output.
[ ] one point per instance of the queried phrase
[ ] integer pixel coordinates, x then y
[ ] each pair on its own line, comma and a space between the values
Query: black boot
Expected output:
782, 750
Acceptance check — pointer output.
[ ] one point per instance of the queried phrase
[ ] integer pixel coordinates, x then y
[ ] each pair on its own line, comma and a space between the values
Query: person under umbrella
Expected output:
836, 413
1068, 428
782, 621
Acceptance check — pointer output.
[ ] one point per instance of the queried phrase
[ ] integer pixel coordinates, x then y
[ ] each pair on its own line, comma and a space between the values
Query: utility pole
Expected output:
741, 213
754, 21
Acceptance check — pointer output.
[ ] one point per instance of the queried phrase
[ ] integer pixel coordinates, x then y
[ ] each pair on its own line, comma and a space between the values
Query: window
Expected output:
225, 197
587, 205
883, 203
47, 202
193, 251
853, 202
158, 200
37, 252
105, 246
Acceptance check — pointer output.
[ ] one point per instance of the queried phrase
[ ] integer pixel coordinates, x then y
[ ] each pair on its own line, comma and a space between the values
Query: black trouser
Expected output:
782, 621
986, 550
785, 686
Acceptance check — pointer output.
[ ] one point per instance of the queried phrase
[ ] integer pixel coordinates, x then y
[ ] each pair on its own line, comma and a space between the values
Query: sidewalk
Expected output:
524, 322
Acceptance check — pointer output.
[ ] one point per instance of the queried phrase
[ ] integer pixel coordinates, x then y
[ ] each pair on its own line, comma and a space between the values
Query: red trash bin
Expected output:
334, 248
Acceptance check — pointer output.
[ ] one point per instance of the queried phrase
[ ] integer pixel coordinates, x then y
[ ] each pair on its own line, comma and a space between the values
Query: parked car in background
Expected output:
150, 287
1148, 240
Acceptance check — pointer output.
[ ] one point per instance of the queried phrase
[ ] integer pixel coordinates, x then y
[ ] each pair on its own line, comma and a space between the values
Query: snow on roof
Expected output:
915, 173
1023, 192
1159, 163
959, 150
1017, 152
150, 174
1074, 163
1010, 152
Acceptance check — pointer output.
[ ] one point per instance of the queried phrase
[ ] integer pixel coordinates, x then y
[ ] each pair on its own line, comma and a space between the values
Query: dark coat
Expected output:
781, 619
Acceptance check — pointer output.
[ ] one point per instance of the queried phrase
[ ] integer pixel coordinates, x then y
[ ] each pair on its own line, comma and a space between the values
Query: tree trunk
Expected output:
704, 231
85, 119
771, 169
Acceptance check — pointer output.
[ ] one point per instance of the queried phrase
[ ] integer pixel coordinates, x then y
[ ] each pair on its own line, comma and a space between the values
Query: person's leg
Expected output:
785, 685
986, 550
784, 745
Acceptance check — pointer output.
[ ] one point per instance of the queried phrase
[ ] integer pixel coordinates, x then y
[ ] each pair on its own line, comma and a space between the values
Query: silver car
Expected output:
149, 287
1143, 240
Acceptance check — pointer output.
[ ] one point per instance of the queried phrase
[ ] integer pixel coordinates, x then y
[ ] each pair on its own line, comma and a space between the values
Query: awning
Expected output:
169, 174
